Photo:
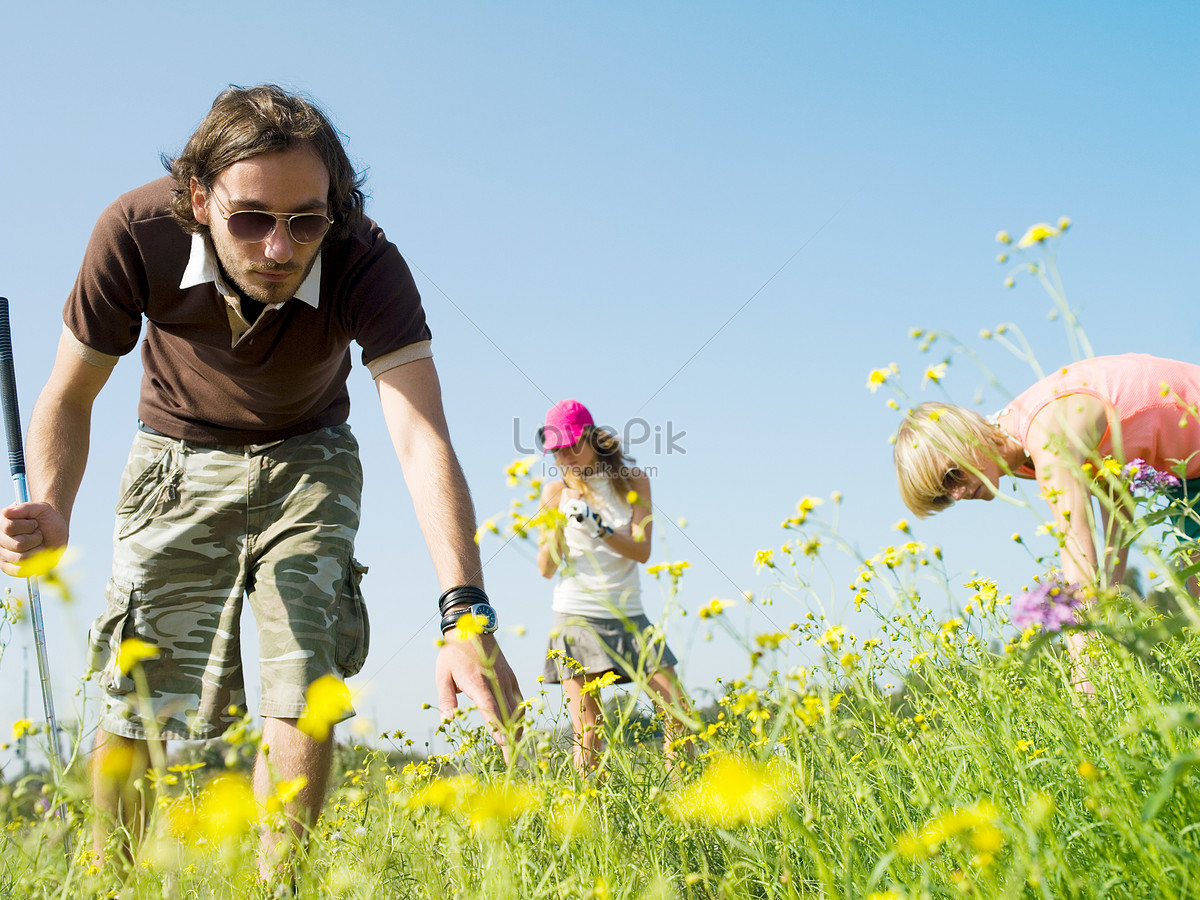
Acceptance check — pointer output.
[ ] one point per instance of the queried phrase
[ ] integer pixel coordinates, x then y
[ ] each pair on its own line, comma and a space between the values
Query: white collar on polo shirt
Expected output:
202, 268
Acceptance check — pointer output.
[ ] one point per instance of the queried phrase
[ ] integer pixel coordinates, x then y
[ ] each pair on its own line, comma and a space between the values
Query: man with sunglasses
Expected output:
253, 269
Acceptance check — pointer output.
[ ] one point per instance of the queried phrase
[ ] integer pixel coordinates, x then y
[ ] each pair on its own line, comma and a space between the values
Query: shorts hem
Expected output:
281, 711
125, 729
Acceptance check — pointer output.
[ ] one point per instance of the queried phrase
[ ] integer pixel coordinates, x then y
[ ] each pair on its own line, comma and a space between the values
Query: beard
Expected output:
240, 274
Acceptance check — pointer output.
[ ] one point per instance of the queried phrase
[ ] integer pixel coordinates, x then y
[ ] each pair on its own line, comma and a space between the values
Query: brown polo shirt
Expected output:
212, 379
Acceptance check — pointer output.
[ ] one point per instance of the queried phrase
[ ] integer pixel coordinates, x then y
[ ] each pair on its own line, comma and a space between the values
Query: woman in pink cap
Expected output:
599, 625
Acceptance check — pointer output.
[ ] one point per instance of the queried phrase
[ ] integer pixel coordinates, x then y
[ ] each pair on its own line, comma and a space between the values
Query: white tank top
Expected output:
595, 581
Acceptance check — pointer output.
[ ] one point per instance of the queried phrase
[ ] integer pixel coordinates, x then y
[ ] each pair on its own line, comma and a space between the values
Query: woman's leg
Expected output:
585, 720
672, 704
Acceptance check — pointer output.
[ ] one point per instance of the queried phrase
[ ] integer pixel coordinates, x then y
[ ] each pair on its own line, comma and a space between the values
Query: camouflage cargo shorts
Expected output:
199, 529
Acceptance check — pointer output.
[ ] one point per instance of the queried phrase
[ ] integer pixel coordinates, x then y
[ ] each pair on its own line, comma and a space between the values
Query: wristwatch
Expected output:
484, 611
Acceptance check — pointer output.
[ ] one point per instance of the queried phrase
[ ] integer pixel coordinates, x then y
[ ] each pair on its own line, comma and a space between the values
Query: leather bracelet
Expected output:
484, 611
463, 593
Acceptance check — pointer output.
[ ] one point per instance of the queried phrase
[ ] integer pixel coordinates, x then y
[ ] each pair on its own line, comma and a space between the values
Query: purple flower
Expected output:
1051, 605
1147, 479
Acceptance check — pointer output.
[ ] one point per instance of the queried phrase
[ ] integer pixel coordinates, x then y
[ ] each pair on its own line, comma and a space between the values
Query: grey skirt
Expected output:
603, 645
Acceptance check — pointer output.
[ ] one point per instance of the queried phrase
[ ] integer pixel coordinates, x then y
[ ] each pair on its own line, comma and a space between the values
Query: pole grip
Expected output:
8, 396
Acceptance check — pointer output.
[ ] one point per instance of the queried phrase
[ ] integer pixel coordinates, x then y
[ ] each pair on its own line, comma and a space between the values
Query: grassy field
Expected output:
986, 775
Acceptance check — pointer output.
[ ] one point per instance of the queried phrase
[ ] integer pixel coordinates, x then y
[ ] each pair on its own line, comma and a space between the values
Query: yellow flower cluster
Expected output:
225, 809
593, 685
327, 702
675, 569
812, 709
484, 807
734, 790
715, 607
978, 824
519, 468
832, 638
803, 508
935, 374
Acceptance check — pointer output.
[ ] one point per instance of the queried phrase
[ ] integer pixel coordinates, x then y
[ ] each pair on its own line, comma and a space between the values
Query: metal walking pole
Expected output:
16, 464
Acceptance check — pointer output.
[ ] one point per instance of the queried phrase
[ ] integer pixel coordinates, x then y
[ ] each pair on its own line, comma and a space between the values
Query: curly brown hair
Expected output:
264, 118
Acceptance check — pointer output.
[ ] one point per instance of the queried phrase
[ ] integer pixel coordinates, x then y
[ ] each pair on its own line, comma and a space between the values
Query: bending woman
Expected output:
595, 549
1060, 431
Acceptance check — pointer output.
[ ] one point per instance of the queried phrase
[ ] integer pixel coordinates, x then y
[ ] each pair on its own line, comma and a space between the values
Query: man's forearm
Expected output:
445, 513
57, 451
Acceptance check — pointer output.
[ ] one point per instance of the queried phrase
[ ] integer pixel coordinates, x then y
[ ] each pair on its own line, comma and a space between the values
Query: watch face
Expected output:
488, 614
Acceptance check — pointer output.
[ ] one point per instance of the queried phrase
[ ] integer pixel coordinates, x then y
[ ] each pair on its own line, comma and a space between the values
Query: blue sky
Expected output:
597, 200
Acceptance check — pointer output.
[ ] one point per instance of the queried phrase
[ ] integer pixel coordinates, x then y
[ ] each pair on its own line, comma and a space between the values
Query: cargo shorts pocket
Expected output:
106, 635
353, 625
147, 489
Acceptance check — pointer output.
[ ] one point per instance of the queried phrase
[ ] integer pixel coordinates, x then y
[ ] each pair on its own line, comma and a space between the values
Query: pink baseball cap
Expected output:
564, 424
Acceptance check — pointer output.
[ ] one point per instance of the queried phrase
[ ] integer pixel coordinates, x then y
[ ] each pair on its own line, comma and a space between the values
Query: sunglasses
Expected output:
954, 477
255, 225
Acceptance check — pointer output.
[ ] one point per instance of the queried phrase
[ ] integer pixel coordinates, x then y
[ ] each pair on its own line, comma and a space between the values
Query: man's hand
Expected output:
475, 666
28, 530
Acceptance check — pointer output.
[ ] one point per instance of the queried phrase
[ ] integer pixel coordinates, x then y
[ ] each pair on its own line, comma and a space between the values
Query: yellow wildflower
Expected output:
594, 685
489, 525
715, 607
935, 374
499, 804
1003, 238
285, 792
770, 641
569, 818
469, 626
733, 791
764, 558
446, 794
1036, 234
978, 822
675, 569
326, 703
225, 809
22, 727
832, 638
876, 378
519, 468
132, 652
40, 563
804, 507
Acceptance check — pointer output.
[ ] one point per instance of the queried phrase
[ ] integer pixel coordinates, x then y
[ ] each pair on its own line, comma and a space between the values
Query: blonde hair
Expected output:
611, 461
934, 438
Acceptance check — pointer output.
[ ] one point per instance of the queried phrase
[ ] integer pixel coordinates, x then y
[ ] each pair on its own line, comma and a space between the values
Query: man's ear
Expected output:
199, 201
